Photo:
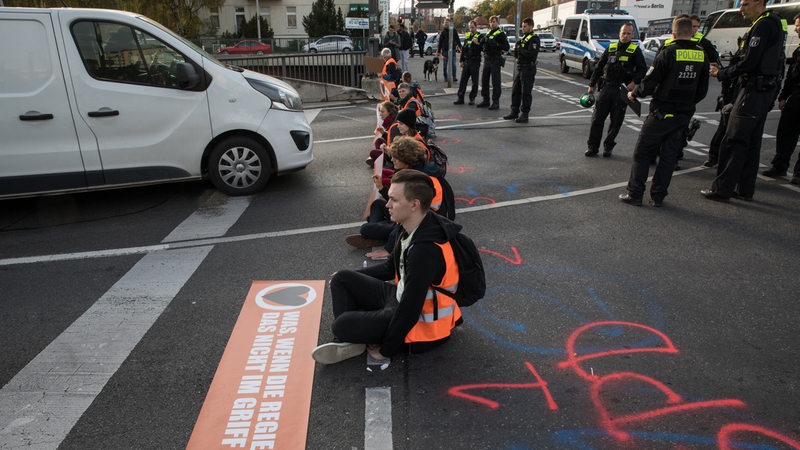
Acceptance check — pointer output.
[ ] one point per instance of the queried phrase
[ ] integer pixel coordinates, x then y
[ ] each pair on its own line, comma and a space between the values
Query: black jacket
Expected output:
791, 85
678, 79
619, 66
526, 50
762, 51
424, 267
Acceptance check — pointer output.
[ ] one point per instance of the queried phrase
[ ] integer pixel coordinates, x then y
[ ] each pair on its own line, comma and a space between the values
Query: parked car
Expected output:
432, 44
548, 41
248, 47
332, 43
113, 100
651, 46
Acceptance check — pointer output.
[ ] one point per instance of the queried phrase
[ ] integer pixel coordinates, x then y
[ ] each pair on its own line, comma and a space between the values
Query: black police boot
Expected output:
627, 198
483, 104
459, 101
607, 152
591, 152
774, 172
471, 101
511, 116
710, 163
495, 106
522, 119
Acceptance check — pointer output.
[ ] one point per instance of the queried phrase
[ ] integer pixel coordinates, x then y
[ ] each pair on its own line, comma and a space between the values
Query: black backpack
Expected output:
471, 276
438, 157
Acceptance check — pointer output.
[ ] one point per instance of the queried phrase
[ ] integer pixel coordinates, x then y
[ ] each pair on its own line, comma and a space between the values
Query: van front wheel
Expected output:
564, 66
239, 166
586, 69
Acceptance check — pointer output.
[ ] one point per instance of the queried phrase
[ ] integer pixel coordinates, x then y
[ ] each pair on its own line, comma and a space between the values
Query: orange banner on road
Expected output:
261, 394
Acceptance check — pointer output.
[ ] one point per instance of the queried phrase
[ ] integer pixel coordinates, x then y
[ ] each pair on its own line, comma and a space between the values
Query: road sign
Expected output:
356, 23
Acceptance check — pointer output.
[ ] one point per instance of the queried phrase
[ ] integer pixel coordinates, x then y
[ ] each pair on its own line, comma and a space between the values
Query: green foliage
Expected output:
324, 19
249, 29
180, 16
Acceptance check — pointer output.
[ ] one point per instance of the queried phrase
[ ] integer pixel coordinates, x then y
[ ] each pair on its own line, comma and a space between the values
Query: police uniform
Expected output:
471, 58
526, 51
758, 73
678, 80
789, 123
621, 63
494, 44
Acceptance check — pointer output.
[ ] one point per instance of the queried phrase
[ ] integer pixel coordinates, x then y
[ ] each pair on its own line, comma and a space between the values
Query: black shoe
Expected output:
657, 202
494, 107
511, 116
713, 195
455, 79
626, 198
606, 153
483, 104
677, 167
773, 172
472, 101
709, 163
460, 101
590, 153
795, 179
522, 119
747, 198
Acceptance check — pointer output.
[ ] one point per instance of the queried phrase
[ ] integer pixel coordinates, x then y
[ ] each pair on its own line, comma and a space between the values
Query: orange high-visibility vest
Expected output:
438, 316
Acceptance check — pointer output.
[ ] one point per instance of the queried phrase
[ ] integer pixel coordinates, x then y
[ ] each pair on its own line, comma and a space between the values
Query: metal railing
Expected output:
345, 69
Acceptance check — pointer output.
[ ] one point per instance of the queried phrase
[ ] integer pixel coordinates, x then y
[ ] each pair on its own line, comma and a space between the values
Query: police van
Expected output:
724, 28
586, 36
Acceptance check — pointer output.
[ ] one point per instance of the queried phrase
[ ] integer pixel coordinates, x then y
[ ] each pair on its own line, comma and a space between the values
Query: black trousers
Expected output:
740, 150
521, 96
610, 102
362, 307
663, 138
716, 140
469, 72
788, 134
491, 71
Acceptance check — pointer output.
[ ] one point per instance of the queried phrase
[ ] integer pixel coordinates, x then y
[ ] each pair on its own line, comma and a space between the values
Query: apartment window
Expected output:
291, 16
240, 19
214, 17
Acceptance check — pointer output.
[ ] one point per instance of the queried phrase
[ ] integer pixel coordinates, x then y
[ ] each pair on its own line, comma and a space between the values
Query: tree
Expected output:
250, 30
180, 16
324, 19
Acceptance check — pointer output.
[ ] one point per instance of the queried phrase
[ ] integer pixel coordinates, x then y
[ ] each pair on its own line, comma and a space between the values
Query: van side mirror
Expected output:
187, 76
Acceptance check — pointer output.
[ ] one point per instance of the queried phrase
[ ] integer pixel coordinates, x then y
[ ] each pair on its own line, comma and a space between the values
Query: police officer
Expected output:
789, 124
470, 64
759, 72
678, 80
526, 51
494, 43
621, 63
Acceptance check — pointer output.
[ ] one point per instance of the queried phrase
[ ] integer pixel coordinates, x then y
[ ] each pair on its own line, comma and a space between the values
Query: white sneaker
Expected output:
334, 352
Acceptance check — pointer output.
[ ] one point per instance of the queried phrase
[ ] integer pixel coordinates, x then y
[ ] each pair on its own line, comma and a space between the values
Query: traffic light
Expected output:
399, 20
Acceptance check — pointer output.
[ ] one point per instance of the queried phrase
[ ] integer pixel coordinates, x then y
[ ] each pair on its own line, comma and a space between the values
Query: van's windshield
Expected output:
608, 28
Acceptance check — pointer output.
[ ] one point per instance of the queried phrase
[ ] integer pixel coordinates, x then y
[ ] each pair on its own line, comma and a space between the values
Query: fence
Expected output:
345, 69
279, 45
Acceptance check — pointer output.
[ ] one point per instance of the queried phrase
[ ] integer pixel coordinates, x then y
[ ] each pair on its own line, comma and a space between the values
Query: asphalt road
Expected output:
605, 326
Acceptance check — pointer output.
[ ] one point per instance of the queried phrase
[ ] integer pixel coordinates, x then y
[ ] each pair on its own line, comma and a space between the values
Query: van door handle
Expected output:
104, 112
35, 115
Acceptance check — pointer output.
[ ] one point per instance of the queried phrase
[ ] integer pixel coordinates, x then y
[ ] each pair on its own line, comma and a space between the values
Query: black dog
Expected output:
431, 67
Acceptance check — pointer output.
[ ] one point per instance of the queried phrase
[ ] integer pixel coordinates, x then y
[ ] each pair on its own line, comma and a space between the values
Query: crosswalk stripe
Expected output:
378, 419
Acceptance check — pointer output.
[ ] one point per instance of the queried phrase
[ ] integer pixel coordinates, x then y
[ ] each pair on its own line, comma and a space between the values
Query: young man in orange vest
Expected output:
384, 318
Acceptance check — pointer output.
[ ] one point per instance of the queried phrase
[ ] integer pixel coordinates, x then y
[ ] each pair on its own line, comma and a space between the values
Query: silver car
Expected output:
548, 41
332, 43
651, 46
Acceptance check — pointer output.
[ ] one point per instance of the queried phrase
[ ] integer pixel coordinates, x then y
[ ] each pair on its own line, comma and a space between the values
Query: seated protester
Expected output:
407, 99
405, 124
371, 313
406, 153
388, 112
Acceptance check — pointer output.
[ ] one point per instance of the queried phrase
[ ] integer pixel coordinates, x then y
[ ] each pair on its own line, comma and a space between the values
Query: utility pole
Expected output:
451, 53
258, 20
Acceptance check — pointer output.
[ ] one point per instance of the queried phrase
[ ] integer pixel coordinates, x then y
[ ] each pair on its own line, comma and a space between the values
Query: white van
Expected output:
586, 36
724, 28
93, 99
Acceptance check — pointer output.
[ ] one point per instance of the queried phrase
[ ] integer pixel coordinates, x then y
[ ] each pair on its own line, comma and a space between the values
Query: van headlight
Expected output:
281, 97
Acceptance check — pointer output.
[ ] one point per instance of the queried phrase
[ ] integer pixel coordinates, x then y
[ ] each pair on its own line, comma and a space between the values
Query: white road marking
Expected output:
378, 419
44, 400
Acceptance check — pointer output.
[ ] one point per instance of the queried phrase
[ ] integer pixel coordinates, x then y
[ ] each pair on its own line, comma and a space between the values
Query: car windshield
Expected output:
607, 28
546, 35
